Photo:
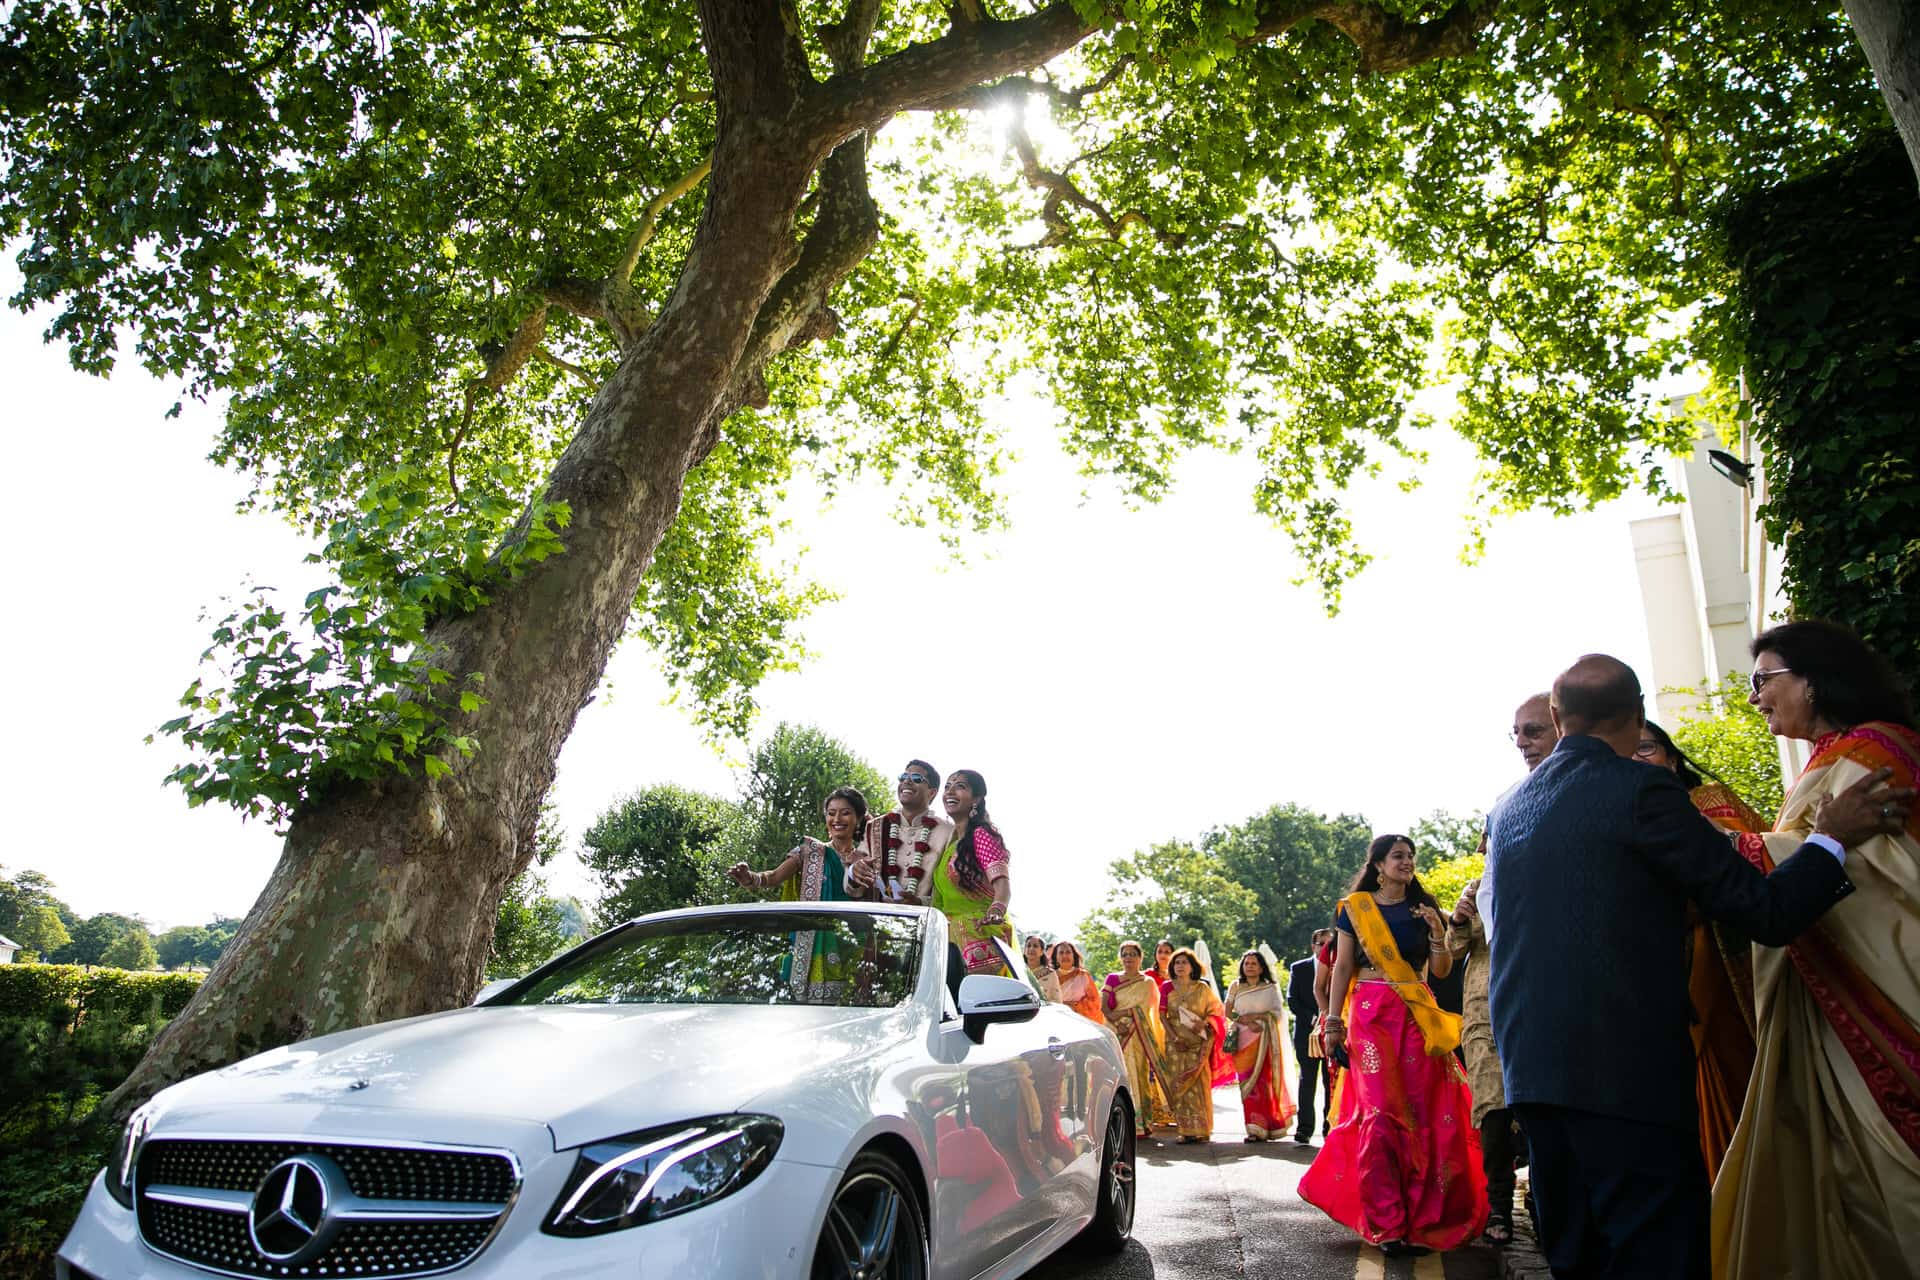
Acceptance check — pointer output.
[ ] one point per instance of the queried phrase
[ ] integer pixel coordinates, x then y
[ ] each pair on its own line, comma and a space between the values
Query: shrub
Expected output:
67, 991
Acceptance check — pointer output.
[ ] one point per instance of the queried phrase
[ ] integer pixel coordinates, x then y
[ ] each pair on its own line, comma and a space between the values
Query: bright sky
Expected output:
1120, 677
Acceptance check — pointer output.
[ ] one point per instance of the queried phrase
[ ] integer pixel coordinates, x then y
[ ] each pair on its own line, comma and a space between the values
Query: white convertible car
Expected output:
685, 1095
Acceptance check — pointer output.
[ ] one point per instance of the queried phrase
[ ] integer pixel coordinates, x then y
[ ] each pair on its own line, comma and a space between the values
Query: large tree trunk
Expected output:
1889, 31
383, 900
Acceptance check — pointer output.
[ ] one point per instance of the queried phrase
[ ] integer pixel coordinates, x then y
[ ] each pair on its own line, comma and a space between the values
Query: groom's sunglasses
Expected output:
916, 778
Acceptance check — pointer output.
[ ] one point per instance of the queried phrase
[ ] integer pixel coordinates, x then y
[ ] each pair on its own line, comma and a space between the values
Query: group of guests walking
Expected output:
1180, 1038
1704, 1031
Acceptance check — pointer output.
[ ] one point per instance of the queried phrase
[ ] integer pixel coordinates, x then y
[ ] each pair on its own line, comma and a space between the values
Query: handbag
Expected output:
1232, 1043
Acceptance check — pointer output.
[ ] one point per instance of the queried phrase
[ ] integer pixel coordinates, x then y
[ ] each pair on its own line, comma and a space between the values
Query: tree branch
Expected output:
796, 311
1061, 192
650, 217
926, 73
1389, 43
503, 366
983, 97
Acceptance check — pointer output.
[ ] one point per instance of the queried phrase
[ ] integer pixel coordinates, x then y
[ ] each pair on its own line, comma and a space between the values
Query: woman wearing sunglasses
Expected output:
903, 846
1823, 1177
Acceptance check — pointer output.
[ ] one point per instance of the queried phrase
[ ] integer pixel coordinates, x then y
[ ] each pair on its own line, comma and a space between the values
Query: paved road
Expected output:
1230, 1209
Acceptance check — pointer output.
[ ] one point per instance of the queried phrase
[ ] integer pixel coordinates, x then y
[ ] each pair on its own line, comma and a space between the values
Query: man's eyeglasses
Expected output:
1763, 674
1528, 731
916, 778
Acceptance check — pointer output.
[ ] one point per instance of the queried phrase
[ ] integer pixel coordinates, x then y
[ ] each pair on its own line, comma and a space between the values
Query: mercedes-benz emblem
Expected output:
290, 1219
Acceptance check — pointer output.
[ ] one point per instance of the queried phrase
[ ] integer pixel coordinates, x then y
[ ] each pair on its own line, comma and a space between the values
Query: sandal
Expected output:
1499, 1232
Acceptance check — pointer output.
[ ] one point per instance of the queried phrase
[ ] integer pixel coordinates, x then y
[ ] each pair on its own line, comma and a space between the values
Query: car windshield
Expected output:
860, 960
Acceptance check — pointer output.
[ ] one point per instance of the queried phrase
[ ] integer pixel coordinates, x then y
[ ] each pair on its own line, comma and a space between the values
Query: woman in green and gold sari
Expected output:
969, 883
1194, 1061
817, 968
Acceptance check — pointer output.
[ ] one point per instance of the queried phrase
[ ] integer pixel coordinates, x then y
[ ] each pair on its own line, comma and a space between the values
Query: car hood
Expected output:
585, 1072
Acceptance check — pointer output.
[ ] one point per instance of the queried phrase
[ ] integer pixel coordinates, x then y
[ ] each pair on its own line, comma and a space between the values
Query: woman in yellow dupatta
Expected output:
1719, 968
1196, 1025
1823, 1177
1401, 1167
1132, 1006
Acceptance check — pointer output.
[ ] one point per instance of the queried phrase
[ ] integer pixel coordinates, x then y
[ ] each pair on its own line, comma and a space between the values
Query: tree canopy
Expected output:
406, 242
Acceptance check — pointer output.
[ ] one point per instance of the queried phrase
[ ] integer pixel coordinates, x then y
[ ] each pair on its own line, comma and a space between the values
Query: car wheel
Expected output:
874, 1228
1113, 1204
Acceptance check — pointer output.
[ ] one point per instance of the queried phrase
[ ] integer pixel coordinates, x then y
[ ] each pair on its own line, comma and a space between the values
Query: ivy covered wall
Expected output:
1827, 318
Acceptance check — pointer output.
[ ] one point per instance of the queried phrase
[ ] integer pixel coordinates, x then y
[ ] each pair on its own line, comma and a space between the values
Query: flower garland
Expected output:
909, 867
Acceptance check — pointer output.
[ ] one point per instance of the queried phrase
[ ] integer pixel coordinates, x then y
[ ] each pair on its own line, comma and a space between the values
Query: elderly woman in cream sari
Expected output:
1823, 1177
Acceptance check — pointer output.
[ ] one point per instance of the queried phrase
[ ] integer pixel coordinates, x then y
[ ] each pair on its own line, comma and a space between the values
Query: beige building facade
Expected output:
1709, 581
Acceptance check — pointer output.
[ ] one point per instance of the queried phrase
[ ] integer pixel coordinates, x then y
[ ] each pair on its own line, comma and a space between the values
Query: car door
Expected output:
989, 1187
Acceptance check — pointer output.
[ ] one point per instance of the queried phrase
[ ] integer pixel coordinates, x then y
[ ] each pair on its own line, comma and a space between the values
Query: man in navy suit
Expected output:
1598, 856
1305, 1008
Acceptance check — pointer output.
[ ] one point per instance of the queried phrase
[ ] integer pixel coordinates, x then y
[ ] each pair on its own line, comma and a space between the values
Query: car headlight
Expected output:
643, 1177
126, 1154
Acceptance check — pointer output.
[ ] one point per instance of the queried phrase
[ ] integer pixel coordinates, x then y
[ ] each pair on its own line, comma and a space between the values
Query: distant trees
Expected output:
667, 846
39, 931
1171, 890
195, 945
133, 949
1298, 862
1273, 878
662, 847
530, 929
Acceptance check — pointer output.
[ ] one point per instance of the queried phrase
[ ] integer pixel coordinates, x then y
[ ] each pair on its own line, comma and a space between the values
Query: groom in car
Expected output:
903, 847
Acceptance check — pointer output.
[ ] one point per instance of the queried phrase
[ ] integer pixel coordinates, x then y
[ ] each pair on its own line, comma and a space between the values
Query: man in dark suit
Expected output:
1598, 856
1305, 1008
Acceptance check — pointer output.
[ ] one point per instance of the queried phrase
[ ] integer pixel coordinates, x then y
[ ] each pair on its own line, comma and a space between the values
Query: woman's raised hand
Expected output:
741, 873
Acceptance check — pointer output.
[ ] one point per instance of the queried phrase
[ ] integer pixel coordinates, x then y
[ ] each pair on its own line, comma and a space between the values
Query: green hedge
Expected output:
62, 992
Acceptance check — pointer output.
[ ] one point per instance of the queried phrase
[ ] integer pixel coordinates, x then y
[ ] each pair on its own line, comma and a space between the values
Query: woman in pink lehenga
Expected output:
1401, 1166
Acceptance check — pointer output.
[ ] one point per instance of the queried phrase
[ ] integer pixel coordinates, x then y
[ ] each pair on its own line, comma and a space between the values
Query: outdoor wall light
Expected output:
1741, 473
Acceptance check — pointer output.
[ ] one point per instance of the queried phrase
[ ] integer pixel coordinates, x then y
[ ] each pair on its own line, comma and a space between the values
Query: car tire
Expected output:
1114, 1200
875, 1229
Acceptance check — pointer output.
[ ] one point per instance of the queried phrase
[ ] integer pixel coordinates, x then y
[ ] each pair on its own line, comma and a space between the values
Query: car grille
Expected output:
447, 1195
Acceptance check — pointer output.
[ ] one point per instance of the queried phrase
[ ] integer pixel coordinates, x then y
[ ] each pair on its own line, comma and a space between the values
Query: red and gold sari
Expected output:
1823, 1177
1720, 987
1402, 1161
1261, 1058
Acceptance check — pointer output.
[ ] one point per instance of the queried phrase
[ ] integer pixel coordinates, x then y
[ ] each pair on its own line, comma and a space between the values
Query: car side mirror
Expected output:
986, 998
493, 989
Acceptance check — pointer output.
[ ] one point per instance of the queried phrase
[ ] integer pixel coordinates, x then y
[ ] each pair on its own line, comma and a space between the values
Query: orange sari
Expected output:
1720, 986
1080, 993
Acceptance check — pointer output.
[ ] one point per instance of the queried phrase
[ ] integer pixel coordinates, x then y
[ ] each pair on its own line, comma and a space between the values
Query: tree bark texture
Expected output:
1889, 32
383, 902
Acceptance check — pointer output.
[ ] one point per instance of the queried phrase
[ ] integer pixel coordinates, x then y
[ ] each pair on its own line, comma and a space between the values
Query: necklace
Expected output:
1385, 901
910, 864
